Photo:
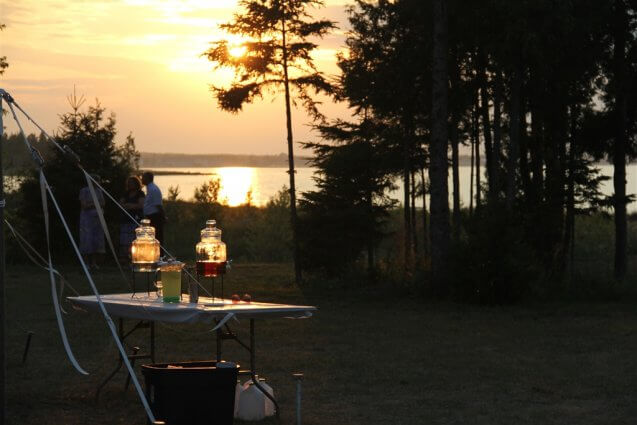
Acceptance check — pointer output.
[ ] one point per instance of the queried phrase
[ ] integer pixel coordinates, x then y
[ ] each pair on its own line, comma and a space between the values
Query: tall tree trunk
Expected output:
425, 233
514, 139
525, 170
564, 165
414, 228
371, 261
555, 188
455, 160
455, 167
484, 112
620, 28
570, 190
494, 181
371, 238
288, 122
478, 161
406, 204
408, 141
473, 149
438, 150
536, 145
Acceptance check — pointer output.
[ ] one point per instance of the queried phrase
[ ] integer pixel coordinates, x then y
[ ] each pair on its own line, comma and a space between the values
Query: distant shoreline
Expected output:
172, 173
150, 160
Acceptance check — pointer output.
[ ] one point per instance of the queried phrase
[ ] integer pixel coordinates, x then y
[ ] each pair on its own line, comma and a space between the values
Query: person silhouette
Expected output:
91, 232
133, 203
153, 206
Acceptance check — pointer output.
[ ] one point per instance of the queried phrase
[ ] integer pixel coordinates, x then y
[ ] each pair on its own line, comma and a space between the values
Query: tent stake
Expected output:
26, 346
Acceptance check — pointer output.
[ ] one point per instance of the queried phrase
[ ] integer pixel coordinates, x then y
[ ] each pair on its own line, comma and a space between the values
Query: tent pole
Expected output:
3, 315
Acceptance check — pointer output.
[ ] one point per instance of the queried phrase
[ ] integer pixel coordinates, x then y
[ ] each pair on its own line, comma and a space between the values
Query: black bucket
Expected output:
191, 393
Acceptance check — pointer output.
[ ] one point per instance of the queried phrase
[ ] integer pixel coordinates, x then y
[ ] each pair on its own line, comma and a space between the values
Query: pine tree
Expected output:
346, 215
3, 59
90, 133
277, 56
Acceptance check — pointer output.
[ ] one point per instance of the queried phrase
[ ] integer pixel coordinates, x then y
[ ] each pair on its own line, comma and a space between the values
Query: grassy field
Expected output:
370, 356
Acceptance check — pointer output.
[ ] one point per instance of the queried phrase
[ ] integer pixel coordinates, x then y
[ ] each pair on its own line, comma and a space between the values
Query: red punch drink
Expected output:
211, 268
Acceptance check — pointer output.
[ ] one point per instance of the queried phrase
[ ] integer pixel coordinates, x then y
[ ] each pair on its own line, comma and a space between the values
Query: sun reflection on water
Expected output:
237, 184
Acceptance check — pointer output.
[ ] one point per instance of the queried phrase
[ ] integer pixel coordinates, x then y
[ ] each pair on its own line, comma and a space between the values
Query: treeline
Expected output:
538, 90
16, 159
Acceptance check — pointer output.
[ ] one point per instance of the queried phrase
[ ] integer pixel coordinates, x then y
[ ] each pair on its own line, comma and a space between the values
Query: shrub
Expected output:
494, 264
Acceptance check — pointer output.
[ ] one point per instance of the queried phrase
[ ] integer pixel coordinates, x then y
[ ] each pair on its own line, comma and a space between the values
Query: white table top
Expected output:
149, 307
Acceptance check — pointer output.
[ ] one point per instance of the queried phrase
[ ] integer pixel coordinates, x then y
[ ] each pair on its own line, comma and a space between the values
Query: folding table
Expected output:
148, 308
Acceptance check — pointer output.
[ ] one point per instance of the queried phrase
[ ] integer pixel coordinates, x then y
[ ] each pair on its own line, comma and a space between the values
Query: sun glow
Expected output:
237, 185
237, 51
144, 59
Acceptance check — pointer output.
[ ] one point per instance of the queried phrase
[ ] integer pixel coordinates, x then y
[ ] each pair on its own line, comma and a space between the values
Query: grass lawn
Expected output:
369, 357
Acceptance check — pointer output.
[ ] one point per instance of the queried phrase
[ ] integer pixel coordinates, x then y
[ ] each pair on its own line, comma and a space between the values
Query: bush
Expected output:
250, 233
494, 264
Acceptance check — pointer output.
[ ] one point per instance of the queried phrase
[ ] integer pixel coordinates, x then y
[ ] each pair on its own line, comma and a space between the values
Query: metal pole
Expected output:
3, 318
299, 379
219, 343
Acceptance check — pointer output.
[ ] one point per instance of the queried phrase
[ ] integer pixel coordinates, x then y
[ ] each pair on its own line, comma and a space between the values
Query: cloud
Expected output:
142, 59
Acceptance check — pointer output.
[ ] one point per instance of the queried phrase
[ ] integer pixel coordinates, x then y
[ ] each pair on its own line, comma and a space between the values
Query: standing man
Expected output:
153, 207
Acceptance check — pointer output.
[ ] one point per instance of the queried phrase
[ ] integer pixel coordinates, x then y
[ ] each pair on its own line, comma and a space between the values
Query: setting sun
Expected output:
237, 51
141, 58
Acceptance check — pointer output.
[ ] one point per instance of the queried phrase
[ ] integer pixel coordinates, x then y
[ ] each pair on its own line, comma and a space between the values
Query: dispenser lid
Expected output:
145, 229
171, 265
211, 231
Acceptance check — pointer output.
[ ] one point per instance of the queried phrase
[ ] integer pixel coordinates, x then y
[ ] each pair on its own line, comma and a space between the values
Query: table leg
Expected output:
120, 362
132, 363
253, 370
219, 343
152, 341
133, 356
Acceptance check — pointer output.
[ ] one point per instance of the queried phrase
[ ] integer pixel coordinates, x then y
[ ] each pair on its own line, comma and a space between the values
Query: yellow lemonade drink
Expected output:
171, 282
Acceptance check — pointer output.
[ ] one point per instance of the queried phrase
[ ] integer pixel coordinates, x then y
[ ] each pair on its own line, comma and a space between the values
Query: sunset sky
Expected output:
141, 58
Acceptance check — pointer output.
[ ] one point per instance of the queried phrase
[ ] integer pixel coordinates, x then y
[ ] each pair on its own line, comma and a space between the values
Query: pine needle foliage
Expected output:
279, 36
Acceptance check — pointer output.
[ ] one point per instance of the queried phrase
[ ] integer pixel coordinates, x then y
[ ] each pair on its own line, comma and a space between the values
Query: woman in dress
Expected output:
91, 232
133, 203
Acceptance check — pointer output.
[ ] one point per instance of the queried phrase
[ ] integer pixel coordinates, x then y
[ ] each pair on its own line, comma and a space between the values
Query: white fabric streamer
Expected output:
42, 263
107, 317
56, 302
223, 321
100, 214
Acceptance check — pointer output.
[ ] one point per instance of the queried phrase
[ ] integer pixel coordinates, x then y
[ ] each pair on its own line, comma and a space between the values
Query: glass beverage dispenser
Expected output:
211, 252
145, 248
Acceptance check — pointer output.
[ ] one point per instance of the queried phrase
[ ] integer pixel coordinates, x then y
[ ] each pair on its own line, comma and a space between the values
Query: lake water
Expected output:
264, 183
